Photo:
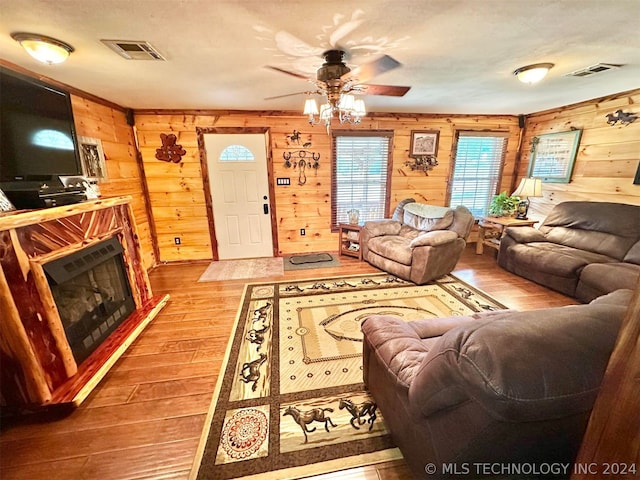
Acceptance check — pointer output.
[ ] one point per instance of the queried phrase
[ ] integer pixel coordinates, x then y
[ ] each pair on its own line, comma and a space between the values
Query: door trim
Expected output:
200, 132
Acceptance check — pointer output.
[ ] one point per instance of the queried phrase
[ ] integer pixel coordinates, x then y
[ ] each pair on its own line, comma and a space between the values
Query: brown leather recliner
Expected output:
415, 248
508, 389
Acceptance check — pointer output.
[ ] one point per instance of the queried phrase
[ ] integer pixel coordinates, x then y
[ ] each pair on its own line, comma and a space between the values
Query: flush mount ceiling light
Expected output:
42, 48
533, 73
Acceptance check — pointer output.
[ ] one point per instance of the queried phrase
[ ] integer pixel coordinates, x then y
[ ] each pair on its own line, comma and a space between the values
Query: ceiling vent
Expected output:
593, 69
134, 50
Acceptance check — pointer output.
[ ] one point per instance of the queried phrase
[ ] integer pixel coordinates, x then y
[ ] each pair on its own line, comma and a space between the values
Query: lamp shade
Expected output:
42, 48
310, 107
529, 187
533, 73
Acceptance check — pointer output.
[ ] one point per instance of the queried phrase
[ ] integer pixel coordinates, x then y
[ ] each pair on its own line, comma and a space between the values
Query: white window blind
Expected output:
477, 169
360, 176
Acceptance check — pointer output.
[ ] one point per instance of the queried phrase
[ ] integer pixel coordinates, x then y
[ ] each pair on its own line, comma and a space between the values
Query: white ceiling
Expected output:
457, 55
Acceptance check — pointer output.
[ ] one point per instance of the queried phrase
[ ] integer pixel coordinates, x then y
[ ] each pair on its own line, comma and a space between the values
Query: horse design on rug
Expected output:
250, 371
358, 411
305, 418
256, 335
260, 314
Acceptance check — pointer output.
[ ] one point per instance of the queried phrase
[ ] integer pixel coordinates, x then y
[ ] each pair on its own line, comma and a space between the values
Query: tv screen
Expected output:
38, 139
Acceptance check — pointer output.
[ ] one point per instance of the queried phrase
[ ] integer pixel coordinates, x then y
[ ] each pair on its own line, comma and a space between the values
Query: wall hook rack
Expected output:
300, 157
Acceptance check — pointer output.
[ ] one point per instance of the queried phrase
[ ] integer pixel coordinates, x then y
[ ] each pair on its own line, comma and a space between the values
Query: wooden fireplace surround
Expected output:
38, 367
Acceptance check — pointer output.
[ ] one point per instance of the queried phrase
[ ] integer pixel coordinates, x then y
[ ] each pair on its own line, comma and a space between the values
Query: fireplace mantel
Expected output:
38, 367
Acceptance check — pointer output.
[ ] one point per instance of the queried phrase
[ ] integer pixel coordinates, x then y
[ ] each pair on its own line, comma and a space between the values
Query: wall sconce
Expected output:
42, 48
422, 163
533, 73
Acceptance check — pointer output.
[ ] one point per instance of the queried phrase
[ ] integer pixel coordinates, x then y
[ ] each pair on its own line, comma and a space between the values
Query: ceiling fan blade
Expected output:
293, 74
389, 90
367, 71
290, 95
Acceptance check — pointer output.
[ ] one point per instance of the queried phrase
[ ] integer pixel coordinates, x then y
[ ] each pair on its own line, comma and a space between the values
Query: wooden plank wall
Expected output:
125, 177
607, 158
176, 190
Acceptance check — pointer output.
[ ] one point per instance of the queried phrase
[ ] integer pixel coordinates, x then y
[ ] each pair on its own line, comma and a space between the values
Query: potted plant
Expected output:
503, 205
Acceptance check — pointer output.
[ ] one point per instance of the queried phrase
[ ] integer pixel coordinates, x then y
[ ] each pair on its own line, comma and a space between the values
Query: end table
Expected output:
349, 237
491, 229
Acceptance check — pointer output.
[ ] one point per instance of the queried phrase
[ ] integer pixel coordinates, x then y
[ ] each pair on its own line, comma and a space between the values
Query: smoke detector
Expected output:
134, 50
593, 69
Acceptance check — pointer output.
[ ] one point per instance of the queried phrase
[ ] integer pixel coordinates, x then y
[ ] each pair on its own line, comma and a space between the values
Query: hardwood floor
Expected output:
145, 418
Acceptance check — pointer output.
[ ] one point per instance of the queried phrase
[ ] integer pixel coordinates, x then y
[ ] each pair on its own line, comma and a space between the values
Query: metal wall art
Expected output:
625, 118
422, 163
170, 151
294, 138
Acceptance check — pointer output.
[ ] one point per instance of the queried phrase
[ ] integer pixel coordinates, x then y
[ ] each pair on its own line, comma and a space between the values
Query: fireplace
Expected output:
92, 294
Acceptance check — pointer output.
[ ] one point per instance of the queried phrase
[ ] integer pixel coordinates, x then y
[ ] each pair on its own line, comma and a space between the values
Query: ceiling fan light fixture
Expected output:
533, 73
44, 49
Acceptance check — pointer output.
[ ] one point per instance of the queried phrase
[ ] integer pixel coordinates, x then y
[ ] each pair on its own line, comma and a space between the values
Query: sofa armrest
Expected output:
525, 234
433, 238
522, 366
396, 344
378, 228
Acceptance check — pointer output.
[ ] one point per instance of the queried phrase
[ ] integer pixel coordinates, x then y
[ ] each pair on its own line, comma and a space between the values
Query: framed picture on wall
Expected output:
92, 158
553, 156
424, 143
5, 203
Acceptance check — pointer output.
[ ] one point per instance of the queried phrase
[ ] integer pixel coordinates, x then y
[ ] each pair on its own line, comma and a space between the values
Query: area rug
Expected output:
246, 268
291, 402
311, 260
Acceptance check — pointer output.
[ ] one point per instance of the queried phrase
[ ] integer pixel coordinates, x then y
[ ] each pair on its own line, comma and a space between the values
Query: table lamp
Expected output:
529, 187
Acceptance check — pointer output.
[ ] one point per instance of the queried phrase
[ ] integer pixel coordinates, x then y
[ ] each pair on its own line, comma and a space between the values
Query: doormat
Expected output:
290, 401
246, 268
311, 260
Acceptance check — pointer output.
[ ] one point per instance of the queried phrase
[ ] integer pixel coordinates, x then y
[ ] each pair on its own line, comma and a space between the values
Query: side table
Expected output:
349, 238
491, 229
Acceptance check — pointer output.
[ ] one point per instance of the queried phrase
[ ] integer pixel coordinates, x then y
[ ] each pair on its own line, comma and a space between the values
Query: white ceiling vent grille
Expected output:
134, 50
593, 69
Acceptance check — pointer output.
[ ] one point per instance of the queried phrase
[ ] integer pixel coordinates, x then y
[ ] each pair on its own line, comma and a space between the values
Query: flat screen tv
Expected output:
38, 140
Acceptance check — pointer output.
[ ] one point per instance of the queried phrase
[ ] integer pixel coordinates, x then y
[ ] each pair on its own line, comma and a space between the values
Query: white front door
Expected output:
238, 179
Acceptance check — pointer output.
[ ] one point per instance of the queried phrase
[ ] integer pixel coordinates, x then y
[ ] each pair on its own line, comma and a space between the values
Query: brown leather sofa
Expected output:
582, 249
414, 248
506, 388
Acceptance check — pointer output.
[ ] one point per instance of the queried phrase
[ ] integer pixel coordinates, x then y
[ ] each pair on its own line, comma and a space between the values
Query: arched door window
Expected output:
236, 153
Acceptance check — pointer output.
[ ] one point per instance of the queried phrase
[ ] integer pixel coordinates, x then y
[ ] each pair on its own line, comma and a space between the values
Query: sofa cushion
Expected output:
522, 366
560, 260
437, 237
409, 232
383, 227
393, 247
601, 227
633, 255
600, 278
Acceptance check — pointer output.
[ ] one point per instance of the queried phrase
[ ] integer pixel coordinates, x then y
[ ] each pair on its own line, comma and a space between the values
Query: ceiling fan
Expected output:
338, 83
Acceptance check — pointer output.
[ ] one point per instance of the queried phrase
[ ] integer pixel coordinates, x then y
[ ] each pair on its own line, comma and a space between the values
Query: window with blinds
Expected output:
476, 171
360, 175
